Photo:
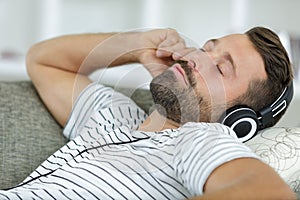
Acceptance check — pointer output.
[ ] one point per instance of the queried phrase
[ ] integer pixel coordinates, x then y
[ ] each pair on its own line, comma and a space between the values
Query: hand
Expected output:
158, 49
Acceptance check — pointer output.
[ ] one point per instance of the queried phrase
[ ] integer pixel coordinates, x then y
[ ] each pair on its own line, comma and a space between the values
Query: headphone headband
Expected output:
267, 115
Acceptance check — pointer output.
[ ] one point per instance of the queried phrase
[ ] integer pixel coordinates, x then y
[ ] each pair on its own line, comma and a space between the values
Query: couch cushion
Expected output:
28, 133
280, 148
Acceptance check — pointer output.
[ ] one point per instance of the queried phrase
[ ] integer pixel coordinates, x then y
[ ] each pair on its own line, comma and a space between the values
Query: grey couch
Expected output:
29, 134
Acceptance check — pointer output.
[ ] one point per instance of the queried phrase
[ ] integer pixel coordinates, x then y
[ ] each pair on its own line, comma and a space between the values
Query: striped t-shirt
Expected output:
107, 158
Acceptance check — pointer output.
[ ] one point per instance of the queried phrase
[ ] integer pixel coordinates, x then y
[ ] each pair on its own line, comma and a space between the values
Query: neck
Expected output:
157, 122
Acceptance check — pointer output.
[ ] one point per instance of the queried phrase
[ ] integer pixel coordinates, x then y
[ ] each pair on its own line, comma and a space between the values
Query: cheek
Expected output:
235, 89
214, 99
212, 89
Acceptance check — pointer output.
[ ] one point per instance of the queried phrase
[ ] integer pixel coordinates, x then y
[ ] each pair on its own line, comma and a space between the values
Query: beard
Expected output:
174, 100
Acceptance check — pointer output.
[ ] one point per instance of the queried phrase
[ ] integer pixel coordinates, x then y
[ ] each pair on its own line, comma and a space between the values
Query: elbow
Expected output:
31, 60
36, 60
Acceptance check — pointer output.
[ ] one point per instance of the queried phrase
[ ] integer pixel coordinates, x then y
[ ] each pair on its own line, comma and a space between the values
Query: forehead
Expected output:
236, 40
249, 63
244, 54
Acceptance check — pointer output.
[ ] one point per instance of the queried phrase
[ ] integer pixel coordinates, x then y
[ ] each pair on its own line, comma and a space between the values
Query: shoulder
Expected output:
201, 129
201, 148
101, 104
203, 138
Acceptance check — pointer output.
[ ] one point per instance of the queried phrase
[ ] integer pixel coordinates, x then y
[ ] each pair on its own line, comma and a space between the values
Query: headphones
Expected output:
246, 122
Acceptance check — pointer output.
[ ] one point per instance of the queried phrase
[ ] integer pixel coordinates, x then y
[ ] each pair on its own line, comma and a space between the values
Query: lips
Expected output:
180, 71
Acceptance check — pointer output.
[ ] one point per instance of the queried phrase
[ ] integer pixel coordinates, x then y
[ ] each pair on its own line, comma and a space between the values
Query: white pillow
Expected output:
280, 148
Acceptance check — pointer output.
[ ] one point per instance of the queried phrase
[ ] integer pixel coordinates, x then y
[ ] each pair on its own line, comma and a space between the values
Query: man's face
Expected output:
220, 73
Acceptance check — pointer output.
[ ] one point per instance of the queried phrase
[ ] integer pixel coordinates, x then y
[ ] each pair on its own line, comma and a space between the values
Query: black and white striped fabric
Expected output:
107, 158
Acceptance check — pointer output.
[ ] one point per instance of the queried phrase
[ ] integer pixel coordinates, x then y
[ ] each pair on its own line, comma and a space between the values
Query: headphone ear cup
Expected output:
243, 120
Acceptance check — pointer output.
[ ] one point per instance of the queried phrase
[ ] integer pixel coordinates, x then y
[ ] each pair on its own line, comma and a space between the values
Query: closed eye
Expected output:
218, 67
202, 49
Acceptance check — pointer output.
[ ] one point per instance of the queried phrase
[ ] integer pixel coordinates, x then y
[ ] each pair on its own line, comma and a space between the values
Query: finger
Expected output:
182, 53
156, 68
172, 42
168, 51
172, 37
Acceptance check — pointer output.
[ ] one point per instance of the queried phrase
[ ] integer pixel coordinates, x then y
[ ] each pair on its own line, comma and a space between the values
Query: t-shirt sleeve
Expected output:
203, 148
84, 106
93, 98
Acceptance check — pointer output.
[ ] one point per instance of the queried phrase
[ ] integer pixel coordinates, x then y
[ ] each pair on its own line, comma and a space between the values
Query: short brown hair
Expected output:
262, 93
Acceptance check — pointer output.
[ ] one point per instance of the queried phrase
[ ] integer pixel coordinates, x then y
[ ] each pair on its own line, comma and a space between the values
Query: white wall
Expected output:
24, 22
278, 14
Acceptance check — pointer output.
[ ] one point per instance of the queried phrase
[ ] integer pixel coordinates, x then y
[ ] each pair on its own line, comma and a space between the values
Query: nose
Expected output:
200, 59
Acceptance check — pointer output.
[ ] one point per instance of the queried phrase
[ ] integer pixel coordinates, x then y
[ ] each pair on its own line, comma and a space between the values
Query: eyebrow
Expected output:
228, 55
215, 41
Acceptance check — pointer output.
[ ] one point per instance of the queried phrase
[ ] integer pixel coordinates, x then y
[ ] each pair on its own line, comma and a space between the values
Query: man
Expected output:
117, 152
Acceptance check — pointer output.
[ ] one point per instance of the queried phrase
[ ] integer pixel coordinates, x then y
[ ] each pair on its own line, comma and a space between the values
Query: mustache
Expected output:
183, 63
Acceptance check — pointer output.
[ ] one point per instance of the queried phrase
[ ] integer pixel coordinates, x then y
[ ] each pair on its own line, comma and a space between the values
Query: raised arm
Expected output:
246, 178
59, 67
